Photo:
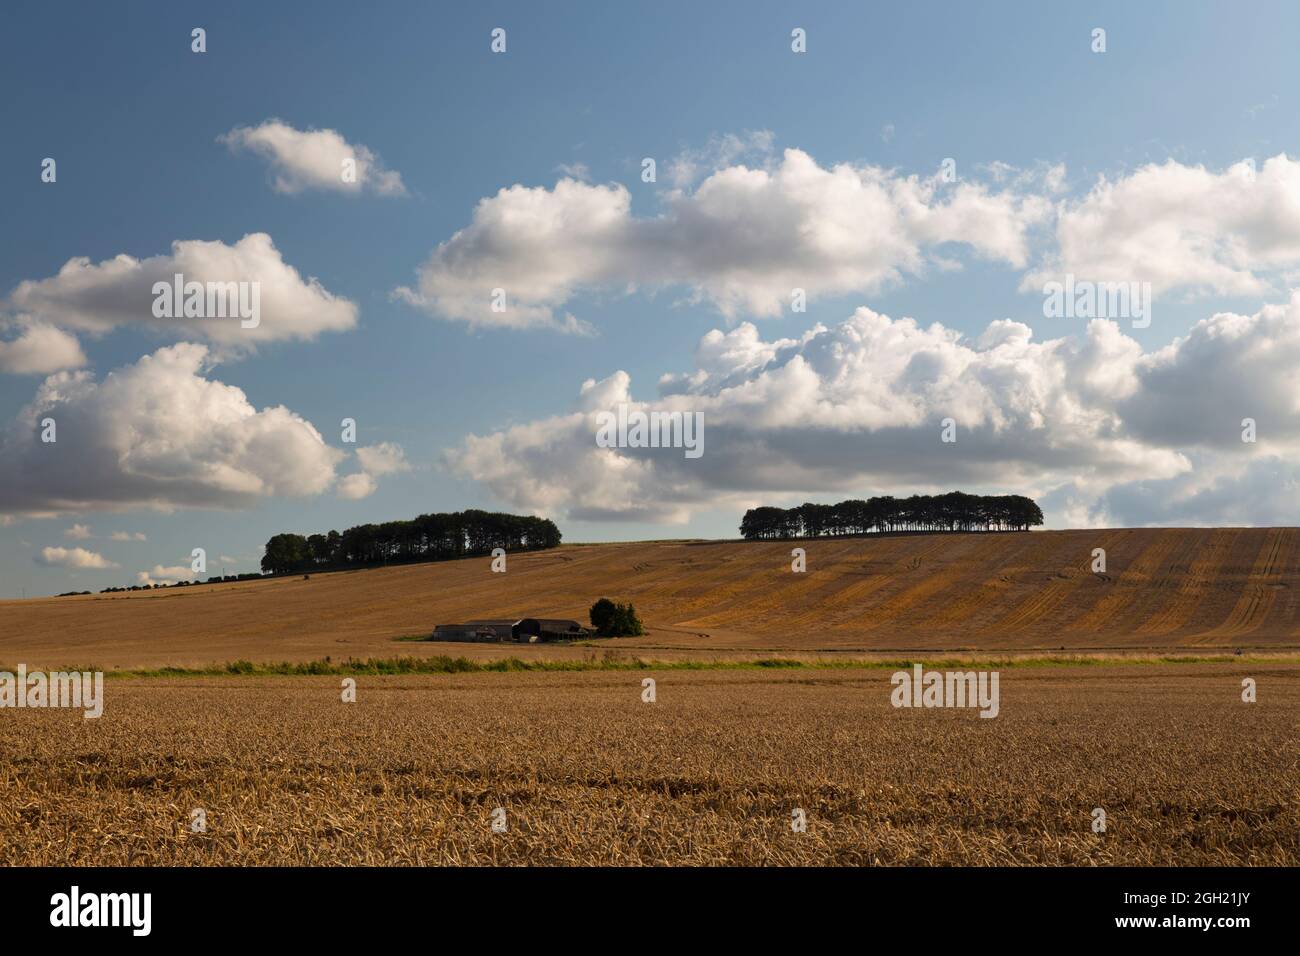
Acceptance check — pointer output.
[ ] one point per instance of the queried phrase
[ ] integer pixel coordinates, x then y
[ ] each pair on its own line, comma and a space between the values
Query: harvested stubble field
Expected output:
1201, 588
708, 774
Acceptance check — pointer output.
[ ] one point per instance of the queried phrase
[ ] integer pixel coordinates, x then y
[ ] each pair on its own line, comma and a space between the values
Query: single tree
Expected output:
602, 615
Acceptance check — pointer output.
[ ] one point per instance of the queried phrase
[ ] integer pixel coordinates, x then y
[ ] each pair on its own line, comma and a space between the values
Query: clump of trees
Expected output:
955, 511
615, 620
431, 537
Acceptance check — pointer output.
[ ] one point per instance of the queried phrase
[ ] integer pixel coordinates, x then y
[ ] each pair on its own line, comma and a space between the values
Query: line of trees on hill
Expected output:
215, 579
431, 537
954, 511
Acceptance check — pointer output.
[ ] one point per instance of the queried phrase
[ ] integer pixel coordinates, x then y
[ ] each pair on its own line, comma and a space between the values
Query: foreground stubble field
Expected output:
708, 774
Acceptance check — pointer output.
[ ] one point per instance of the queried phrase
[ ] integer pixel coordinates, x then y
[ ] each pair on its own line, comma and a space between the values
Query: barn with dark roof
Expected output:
549, 629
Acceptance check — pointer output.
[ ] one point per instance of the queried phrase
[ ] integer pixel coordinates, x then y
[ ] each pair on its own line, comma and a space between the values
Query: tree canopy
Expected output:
615, 620
431, 537
954, 511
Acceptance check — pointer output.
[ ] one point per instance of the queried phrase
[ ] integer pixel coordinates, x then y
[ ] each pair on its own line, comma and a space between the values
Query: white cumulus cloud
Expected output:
98, 297
38, 349
385, 458
1084, 422
742, 240
166, 575
1183, 228
157, 434
359, 485
315, 159
74, 558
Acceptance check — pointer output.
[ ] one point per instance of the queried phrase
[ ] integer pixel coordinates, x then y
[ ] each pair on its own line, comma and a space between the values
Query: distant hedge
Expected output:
215, 579
955, 511
431, 537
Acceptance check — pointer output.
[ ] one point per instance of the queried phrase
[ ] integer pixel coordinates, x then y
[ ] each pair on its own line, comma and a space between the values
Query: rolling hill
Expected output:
1204, 589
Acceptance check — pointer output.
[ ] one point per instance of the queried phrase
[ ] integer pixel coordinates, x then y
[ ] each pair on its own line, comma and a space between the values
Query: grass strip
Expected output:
461, 665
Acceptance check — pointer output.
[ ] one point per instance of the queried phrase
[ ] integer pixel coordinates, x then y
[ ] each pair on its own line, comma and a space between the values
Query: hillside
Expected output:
1189, 588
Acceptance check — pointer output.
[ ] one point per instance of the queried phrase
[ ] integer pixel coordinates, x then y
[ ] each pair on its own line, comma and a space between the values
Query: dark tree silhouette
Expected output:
954, 511
432, 537
602, 615
615, 620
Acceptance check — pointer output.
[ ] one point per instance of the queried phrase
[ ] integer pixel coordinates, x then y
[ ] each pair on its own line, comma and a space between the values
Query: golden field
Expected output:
710, 773
1212, 588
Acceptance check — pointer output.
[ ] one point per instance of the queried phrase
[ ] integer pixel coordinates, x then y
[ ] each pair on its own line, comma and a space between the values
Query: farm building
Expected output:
527, 630
487, 631
549, 629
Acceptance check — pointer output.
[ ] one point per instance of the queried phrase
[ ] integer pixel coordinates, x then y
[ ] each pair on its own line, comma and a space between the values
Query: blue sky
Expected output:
133, 119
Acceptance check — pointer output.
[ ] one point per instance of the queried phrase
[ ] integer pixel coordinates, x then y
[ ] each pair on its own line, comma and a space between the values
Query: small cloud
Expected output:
127, 536
39, 349
386, 458
360, 485
571, 325
887, 133
1041, 177
78, 532
315, 159
721, 151
78, 558
166, 575
383, 459
578, 171
1253, 111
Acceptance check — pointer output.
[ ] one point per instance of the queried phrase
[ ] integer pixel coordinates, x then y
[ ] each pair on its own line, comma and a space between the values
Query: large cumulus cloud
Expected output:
747, 235
857, 408
97, 297
741, 240
158, 434
1186, 229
